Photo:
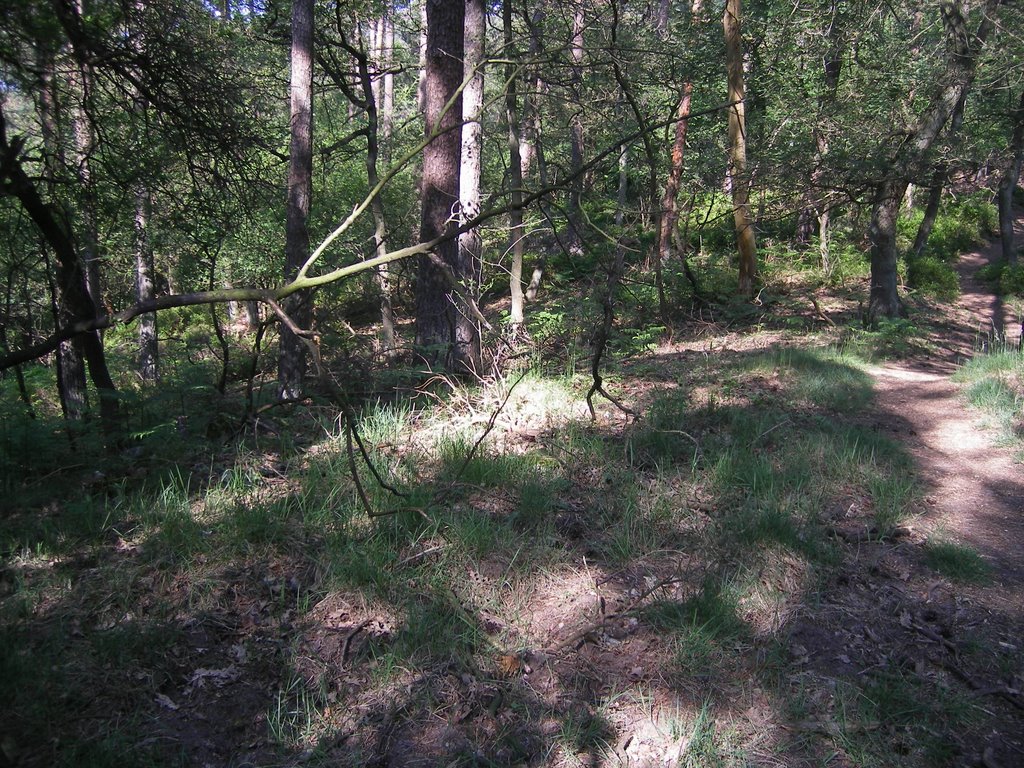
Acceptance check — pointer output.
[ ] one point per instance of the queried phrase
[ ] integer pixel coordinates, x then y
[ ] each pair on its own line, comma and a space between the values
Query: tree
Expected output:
737, 172
1008, 184
470, 241
444, 336
962, 51
292, 359
515, 173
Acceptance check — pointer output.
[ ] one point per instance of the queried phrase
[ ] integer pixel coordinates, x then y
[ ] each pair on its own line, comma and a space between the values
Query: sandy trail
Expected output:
975, 488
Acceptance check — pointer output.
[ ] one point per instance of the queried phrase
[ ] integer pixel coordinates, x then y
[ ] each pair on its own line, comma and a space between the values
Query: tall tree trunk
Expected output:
515, 175
291, 368
737, 172
80, 83
467, 330
531, 145
1008, 183
148, 341
670, 198
575, 238
530, 130
626, 94
148, 360
421, 107
372, 97
817, 206
71, 385
661, 23
387, 96
437, 302
884, 300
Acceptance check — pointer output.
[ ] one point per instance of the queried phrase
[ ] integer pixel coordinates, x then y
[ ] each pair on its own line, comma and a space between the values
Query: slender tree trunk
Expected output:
531, 146
421, 107
737, 173
387, 98
374, 124
661, 24
1008, 183
817, 202
437, 302
292, 360
530, 131
670, 199
884, 300
71, 385
627, 95
575, 238
467, 329
147, 323
80, 82
515, 167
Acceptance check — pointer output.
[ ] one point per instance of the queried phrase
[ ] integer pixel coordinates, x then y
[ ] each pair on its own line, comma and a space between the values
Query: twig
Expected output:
417, 556
770, 430
352, 467
821, 315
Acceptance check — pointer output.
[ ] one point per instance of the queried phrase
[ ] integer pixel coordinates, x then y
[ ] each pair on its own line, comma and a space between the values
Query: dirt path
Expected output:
975, 489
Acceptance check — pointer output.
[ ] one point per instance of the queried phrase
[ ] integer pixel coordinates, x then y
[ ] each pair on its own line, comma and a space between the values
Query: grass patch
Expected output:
994, 384
957, 562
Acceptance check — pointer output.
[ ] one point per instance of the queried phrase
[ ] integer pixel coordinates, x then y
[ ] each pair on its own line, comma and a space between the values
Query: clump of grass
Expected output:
956, 561
889, 339
995, 385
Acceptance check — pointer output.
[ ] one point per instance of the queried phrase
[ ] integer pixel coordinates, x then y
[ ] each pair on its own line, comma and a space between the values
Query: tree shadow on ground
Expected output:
726, 581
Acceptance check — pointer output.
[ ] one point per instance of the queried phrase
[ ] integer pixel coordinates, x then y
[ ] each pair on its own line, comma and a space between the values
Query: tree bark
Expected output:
1008, 183
575, 237
437, 303
71, 384
80, 83
467, 331
670, 199
148, 341
375, 130
292, 359
737, 171
515, 177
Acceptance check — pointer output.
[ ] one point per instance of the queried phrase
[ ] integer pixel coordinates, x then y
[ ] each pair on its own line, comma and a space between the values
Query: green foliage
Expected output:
961, 224
1007, 279
1011, 280
892, 338
934, 277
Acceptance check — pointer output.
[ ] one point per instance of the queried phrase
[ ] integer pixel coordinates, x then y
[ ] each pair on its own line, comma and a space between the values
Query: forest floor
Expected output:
793, 558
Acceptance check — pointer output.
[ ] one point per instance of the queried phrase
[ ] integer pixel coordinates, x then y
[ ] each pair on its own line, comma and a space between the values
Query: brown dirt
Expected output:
976, 489
975, 496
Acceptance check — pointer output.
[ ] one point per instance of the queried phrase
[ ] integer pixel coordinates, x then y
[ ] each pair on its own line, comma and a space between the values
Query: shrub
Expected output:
934, 277
1011, 280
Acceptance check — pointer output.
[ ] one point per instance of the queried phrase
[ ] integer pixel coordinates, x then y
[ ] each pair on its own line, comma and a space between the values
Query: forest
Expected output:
447, 382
